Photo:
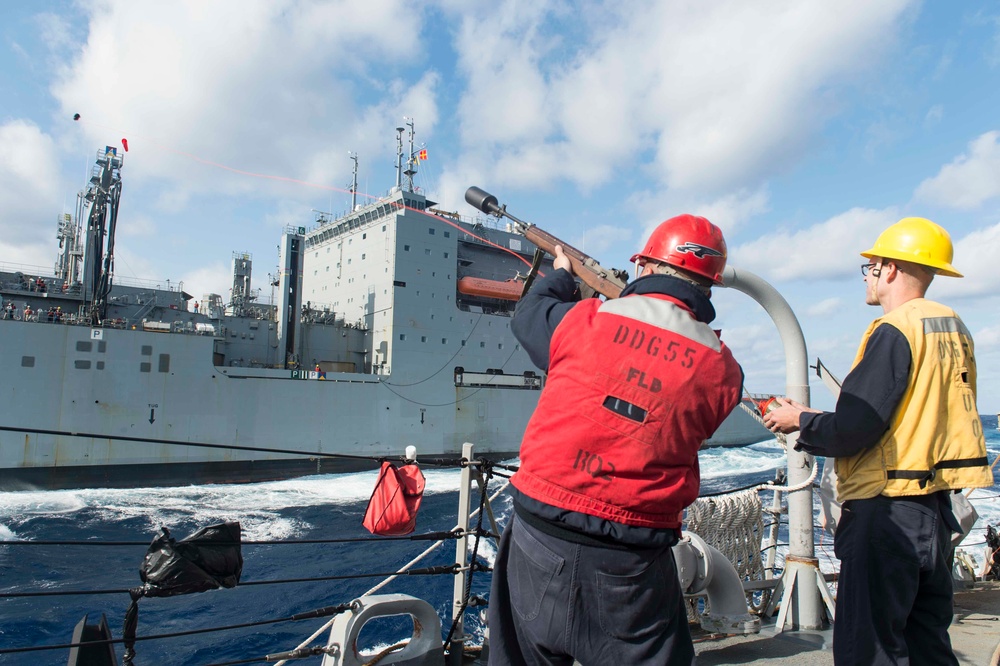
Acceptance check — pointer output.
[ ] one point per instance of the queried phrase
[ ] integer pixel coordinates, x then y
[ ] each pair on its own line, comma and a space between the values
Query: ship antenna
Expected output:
411, 163
399, 157
354, 181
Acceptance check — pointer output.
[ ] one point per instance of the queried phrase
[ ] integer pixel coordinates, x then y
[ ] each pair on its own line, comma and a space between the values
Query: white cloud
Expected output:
32, 258
987, 338
596, 241
976, 258
826, 250
729, 212
138, 225
31, 193
825, 308
934, 115
270, 87
732, 210
214, 279
698, 91
970, 179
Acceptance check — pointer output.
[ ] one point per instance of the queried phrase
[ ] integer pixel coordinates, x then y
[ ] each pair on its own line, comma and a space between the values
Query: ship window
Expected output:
444, 341
145, 367
447, 234
445, 255
517, 347
433, 273
349, 261
463, 343
100, 365
147, 350
406, 248
402, 336
500, 345
102, 347
482, 345
363, 255
427, 251
383, 227
364, 236
398, 283
430, 231
423, 338
83, 345
81, 365
27, 361
164, 363
432, 316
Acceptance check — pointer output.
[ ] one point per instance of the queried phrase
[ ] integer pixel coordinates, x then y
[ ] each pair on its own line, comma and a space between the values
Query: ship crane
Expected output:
104, 195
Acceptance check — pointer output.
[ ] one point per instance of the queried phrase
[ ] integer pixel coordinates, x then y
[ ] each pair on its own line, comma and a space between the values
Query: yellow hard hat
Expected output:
917, 240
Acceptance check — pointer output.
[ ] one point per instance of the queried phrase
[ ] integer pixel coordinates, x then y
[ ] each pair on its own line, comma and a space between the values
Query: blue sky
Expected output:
802, 128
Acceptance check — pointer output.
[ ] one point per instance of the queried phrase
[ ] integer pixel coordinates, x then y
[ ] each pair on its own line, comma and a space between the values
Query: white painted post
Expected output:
801, 604
457, 646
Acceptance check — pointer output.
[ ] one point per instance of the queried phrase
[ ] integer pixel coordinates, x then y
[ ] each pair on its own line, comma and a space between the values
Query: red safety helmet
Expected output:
689, 242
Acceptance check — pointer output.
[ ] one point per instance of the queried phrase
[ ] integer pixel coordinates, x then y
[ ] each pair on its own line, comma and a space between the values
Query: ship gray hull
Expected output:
140, 409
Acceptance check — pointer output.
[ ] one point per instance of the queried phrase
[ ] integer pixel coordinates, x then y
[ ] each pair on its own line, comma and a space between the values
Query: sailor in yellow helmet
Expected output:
905, 435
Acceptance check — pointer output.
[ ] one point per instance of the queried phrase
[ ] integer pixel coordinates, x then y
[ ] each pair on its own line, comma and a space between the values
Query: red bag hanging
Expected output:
392, 509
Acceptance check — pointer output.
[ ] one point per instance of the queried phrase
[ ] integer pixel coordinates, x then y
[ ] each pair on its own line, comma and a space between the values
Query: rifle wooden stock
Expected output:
591, 273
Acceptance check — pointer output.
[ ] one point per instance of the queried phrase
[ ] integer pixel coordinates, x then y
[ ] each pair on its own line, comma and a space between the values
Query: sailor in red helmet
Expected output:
609, 459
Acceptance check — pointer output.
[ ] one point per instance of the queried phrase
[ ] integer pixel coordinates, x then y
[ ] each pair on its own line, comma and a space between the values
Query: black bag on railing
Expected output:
207, 560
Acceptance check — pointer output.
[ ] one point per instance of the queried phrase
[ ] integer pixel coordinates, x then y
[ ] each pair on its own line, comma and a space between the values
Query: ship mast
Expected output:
354, 181
411, 164
104, 195
399, 157
70, 250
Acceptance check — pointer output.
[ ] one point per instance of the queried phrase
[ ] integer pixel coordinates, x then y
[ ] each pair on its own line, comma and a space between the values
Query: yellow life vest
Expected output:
935, 437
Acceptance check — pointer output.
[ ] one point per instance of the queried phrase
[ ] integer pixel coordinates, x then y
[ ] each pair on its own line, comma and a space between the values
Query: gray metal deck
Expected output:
975, 637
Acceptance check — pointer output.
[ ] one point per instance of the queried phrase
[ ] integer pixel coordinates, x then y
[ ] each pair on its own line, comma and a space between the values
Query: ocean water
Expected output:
319, 507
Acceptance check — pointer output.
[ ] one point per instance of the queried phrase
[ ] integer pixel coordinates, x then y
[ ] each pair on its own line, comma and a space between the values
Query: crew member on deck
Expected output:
609, 459
905, 436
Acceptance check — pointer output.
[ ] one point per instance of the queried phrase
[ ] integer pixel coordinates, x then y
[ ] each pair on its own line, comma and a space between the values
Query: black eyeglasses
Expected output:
870, 267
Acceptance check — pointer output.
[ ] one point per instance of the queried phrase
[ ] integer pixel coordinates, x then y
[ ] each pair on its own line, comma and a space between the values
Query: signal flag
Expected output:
422, 154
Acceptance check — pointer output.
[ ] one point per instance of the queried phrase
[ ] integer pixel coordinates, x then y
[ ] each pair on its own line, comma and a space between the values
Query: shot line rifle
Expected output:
608, 282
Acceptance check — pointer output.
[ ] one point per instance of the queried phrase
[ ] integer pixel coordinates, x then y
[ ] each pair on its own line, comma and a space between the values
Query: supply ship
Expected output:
389, 326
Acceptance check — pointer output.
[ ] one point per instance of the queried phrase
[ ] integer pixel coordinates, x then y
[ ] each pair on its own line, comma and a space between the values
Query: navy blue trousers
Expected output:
894, 595
554, 601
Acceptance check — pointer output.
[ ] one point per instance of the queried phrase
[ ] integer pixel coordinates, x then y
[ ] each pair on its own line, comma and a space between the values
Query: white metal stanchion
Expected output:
802, 589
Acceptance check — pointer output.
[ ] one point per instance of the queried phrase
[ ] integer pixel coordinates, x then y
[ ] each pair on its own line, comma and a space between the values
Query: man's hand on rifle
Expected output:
561, 260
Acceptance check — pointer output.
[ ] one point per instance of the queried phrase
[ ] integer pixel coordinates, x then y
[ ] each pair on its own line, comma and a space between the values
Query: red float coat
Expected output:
635, 386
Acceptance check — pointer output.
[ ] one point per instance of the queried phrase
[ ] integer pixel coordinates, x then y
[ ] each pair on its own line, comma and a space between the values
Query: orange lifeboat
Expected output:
508, 290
